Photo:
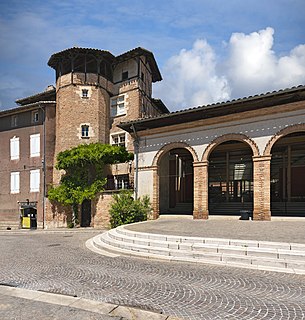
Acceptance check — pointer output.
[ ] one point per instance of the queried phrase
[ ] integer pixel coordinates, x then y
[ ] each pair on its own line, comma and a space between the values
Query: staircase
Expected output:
9, 220
274, 256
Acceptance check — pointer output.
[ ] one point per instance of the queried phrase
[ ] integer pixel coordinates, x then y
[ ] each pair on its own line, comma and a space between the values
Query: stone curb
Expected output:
52, 231
103, 308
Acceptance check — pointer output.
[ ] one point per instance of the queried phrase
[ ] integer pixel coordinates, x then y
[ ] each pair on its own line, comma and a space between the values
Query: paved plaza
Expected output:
59, 262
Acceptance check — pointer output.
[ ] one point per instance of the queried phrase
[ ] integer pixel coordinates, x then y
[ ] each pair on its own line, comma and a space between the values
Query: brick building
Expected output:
94, 91
246, 154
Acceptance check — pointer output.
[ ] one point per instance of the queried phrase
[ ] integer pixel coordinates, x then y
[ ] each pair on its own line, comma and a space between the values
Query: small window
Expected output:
85, 93
118, 139
142, 76
117, 106
15, 182
124, 75
14, 121
85, 131
35, 145
34, 180
35, 116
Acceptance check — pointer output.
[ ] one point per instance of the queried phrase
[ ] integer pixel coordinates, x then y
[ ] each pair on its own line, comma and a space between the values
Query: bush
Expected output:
126, 210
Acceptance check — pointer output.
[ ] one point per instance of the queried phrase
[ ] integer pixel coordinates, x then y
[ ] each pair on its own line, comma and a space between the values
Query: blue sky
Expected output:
207, 51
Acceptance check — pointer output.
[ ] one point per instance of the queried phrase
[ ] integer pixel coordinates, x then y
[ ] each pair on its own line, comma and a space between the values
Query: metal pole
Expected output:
136, 149
44, 165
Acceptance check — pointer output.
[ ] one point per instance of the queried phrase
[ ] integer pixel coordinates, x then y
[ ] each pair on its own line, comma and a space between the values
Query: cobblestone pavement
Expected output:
60, 263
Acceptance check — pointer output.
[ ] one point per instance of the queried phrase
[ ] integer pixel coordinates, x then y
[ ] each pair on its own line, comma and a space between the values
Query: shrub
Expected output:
125, 209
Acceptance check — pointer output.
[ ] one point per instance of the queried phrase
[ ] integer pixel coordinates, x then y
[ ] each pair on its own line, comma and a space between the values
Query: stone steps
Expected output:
276, 256
4, 224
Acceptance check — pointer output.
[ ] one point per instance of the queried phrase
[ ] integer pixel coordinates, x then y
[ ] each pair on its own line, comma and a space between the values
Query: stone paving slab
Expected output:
277, 231
13, 301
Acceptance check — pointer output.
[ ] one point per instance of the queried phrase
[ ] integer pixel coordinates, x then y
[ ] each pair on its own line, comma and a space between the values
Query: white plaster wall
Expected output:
260, 129
145, 183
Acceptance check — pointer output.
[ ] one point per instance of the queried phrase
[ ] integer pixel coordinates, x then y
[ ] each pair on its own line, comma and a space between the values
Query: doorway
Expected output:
86, 213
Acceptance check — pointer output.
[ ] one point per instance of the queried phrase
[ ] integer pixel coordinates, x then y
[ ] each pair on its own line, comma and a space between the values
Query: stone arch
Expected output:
228, 137
284, 132
174, 145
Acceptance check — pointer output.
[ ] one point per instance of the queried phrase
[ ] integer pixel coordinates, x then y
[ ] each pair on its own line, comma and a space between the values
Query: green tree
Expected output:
84, 172
124, 209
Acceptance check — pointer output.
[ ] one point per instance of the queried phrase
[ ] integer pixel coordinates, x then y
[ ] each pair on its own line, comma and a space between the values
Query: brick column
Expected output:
201, 210
261, 183
156, 191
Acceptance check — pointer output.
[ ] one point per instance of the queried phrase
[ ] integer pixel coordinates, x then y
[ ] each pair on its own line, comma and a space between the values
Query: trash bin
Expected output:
25, 220
245, 214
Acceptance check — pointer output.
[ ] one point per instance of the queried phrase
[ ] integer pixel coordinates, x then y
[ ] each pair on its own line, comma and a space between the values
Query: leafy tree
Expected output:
84, 172
125, 209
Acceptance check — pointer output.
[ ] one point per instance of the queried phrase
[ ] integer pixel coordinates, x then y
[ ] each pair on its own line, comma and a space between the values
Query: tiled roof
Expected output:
56, 57
263, 100
48, 94
156, 75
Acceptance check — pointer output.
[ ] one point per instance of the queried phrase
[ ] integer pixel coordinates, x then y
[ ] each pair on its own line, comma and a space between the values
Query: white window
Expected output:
118, 139
15, 182
117, 106
14, 148
85, 131
35, 145
34, 180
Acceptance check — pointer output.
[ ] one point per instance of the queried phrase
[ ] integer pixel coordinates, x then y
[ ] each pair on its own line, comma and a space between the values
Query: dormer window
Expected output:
124, 75
35, 116
14, 121
85, 93
85, 131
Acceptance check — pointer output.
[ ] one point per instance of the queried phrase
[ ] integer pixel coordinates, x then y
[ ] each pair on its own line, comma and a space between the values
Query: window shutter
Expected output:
14, 145
35, 145
34, 180
15, 182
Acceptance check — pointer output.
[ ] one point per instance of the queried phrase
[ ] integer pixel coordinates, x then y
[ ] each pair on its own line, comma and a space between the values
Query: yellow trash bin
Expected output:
26, 222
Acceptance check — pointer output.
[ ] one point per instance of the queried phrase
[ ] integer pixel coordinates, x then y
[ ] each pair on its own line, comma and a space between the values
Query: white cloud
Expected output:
190, 78
253, 67
196, 77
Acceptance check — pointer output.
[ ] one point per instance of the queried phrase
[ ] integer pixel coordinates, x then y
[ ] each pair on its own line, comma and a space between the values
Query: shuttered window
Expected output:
15, 182
34, 180
14, 148
35, 145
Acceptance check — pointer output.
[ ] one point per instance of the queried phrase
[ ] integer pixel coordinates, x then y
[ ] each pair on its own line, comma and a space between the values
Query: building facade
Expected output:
226, 158
94, 91
221, 159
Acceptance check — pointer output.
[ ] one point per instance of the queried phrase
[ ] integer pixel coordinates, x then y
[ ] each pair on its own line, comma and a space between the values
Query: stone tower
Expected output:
95, 92
83, 90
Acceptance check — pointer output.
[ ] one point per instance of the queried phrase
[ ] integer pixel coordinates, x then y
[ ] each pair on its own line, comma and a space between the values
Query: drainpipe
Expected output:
136, 149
